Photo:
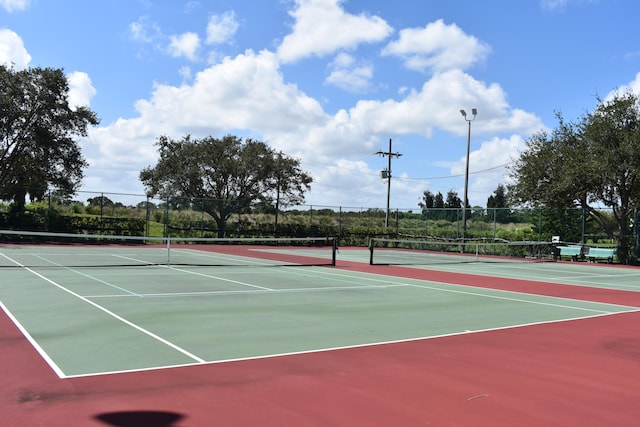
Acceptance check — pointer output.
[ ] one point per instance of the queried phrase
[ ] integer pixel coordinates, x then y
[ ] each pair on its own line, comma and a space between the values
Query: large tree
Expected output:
594, 162
228, 175
38, 131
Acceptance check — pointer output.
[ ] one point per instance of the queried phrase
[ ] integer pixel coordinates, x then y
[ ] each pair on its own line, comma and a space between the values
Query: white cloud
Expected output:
437, 47
221, 28
186, 44
438, 104
12, 50
247, 96
322, 27
492, 160
358, 177
144, 31
553, 4
14, 5
191, 6
348, 75
185, 73
80, 89
558, 5
633, 86
245, 92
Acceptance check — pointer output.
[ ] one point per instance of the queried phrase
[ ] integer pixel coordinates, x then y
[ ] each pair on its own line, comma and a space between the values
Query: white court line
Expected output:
391, 282
346, 347
88, 276
252, 291
115, 316
237, 282
33, 342
225, 257
403, 281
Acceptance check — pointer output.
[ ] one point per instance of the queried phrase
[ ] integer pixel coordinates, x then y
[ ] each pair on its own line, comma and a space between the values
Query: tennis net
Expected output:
34, 249
417, 252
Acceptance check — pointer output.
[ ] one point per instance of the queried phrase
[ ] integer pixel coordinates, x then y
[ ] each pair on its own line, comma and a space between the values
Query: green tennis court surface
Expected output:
97, 320
570, 273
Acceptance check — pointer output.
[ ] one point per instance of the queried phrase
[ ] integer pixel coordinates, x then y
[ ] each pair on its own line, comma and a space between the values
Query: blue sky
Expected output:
330, 81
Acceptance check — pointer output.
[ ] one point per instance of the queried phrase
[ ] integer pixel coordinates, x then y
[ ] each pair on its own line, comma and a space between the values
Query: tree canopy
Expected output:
227, 174
589, 164
38, 128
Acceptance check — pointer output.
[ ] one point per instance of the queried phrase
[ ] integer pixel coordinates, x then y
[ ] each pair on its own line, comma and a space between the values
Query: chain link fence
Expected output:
139, 215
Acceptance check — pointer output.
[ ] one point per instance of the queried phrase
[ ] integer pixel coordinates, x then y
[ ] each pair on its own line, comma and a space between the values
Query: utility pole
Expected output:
387, 174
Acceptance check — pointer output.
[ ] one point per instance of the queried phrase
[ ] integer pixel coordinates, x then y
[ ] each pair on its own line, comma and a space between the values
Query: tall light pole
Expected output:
474, 112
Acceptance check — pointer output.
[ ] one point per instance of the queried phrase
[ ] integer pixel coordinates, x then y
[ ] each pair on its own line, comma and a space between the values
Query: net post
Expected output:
334, 250
370, 251
168, 251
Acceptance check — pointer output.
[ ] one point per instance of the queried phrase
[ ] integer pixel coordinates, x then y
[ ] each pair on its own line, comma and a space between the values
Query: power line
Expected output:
457, 176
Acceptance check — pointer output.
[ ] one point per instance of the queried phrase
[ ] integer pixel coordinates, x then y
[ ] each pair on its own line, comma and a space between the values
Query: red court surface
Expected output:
576, 373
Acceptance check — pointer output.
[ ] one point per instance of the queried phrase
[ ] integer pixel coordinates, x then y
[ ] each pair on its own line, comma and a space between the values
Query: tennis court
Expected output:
229, 305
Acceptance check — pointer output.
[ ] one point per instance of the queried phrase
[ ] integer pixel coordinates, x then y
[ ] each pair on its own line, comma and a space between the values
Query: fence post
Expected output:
166, 218
48, 210
540, 225
397, 223
584, 227
495, 223
101, 212
426, 221
636, 236
148, 215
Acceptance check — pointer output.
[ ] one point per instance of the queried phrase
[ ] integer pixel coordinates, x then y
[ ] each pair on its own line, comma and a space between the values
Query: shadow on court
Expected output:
140, 418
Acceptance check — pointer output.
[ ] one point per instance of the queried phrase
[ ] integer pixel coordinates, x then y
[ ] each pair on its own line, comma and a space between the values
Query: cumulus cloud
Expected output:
633, 86
437, 105
12, 50
221, 28
323, 27
245, 92
488, 166
14, 5
437, 47
144, 31
80, 89
348, 75
184, 45
247, 95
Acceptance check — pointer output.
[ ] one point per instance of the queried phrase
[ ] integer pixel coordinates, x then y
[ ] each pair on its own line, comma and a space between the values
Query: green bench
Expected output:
575, 252
601, 253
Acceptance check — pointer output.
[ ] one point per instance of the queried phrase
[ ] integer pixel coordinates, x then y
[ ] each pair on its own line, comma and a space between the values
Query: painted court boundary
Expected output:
368, 277
532, 376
